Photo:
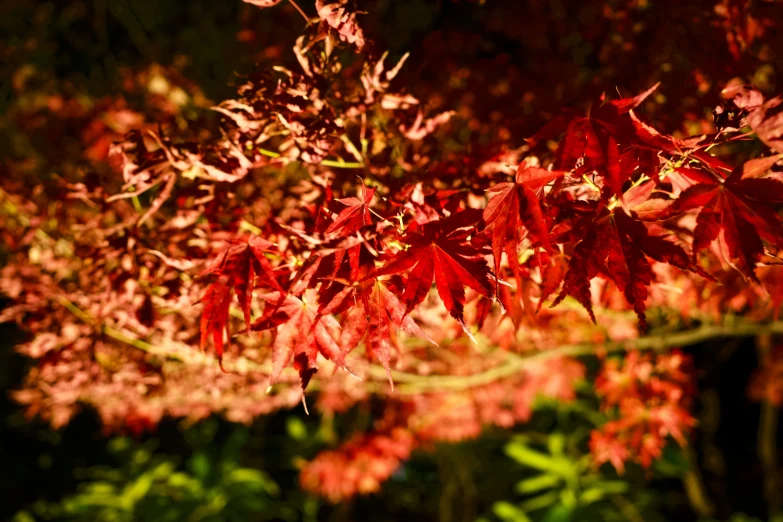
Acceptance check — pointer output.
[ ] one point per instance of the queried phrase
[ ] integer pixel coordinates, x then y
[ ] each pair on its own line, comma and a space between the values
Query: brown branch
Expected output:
410, 383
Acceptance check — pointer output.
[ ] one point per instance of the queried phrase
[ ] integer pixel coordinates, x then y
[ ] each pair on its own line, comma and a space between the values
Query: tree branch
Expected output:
410, 383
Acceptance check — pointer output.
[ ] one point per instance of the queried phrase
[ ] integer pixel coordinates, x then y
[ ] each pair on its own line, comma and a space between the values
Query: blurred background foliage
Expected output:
220, 471
217, 470
145, 485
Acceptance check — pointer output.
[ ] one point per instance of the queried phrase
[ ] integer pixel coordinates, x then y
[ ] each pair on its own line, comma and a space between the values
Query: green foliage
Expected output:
210, 485
560, 481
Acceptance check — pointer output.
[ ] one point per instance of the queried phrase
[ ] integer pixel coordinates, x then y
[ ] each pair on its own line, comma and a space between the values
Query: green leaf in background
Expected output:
295, 428
200, 466
536, 484
559, 513
508, 512
148, 485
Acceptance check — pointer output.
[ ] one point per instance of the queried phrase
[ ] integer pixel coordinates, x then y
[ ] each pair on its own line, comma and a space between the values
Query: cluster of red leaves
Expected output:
615, 226
649, 394
360, 466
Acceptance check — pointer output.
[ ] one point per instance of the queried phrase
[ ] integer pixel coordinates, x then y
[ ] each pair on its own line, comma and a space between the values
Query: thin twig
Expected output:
300, 10
341, 164
338, 163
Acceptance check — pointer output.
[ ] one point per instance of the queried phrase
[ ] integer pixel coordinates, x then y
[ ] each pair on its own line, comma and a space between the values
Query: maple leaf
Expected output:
358, 466
587, 138
370, 309
421, 128
516, 204
617, 244
376, 311
240, 267
300, 333
552, 274
439, 250
354, 216
214, 317
737, 209
620, 165
647, 136
742, 96
336, 266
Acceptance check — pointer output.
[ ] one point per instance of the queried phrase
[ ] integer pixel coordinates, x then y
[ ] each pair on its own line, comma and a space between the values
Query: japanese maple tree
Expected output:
335, 233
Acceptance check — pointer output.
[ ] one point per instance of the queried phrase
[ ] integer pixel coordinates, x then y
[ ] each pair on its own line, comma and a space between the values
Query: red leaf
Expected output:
743, 96
376, 311
755, 168
300, 333
354, 216
624, 105
551, 277
614, 172
513, 205
580, 141
739, 209
238, 268
553, 128
440, 252
618, 245
648, 136
586, 137
586, 262
535, 178
214, 318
